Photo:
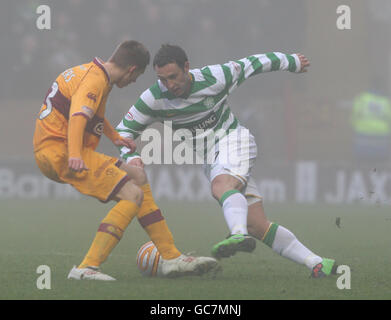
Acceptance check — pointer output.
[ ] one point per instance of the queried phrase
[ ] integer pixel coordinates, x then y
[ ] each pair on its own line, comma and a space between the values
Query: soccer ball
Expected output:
148, 260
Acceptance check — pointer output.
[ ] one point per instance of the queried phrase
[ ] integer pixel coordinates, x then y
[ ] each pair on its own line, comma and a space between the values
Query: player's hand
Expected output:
77, 164
137, 162
304, 62
126, 142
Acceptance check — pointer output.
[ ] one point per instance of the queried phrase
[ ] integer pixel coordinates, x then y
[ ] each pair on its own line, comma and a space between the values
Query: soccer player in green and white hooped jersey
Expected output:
196, 102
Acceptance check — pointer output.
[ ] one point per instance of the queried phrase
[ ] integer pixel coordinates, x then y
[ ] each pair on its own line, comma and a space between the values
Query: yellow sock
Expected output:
155, 225
109, 233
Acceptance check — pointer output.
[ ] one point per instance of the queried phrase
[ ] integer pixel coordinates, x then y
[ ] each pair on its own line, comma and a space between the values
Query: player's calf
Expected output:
257, 222
150, 216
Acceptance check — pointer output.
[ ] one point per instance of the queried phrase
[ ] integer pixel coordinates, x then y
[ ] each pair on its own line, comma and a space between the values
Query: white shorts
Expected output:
235, 154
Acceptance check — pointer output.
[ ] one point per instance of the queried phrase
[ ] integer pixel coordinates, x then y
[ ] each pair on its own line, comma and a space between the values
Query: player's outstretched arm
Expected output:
125, 142
116, 138
239, 70
135, 121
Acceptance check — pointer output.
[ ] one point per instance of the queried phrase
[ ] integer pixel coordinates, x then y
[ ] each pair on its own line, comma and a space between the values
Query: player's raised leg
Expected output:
151, 219
109, 233
226, 189
285, 243
150, 216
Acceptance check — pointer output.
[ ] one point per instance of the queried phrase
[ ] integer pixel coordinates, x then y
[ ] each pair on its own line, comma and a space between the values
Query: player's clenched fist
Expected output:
137, 162
76, 164
126, 142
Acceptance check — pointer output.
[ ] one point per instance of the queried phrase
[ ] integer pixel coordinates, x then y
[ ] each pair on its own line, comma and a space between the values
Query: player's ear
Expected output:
186, 67
132, 69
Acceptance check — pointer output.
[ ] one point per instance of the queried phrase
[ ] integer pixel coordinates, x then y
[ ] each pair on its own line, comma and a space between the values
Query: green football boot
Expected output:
232, 244
324, 269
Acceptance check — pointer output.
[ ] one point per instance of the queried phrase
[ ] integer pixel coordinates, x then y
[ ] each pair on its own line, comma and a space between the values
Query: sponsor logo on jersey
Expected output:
98, 129
91, 96
205, 123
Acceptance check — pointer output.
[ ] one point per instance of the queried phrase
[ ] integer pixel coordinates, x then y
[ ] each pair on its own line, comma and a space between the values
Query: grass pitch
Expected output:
58, 234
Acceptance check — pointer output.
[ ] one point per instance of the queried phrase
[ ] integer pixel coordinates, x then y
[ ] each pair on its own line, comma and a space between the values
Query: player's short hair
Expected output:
131, 53
170, 54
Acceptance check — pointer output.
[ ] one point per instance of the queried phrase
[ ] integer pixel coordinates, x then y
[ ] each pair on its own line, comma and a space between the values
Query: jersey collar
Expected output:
99, 63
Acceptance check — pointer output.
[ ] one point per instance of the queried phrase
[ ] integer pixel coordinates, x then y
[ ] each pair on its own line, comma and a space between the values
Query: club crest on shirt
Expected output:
98, 129
111, 172
209, 102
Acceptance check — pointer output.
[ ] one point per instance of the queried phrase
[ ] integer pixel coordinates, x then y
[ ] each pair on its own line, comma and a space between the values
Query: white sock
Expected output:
235, 212
286, 244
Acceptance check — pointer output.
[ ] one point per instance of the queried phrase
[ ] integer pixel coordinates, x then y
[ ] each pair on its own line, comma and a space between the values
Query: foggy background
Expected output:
301, 122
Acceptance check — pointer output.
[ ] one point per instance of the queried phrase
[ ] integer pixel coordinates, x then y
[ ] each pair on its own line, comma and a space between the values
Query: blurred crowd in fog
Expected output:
80, 29
212, 31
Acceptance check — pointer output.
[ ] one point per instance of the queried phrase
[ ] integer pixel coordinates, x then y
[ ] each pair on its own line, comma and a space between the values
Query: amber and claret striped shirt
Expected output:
80, 90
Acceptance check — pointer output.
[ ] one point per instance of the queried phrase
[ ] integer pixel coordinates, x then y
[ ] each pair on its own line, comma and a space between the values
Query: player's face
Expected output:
129, 76
175, 79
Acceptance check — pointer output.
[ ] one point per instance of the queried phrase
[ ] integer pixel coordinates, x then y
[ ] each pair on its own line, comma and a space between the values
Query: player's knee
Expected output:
137, 174
219, 187
131, 192
224, 183
216, 191
139, 177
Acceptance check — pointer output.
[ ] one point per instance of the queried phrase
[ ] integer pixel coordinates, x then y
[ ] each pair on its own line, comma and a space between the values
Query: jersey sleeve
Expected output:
137, 119
109, 131
84, 104
87, 98
239, 70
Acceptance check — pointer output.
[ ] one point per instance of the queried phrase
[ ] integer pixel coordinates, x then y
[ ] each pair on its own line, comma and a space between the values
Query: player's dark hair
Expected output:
170, 54
131, 53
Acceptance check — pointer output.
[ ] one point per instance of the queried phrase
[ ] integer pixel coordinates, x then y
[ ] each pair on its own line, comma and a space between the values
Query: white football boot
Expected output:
89, 273
186, 265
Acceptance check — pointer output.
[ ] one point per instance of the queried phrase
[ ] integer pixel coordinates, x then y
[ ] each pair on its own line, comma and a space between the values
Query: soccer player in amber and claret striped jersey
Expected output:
69, 126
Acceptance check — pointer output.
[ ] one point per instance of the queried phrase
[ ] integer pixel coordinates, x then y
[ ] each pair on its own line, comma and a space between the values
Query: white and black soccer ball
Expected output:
148, 260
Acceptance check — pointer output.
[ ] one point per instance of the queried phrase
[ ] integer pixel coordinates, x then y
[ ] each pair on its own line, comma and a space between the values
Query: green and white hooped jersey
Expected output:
205, 111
